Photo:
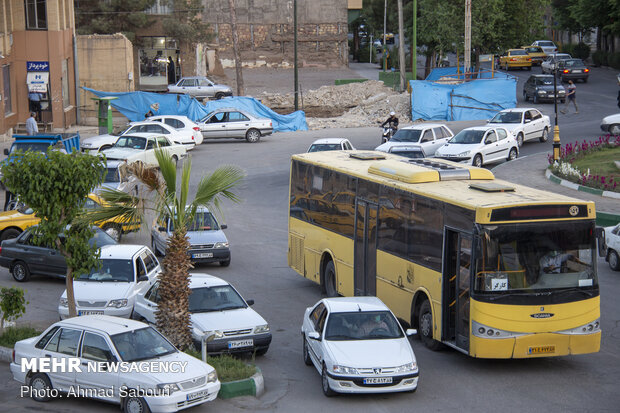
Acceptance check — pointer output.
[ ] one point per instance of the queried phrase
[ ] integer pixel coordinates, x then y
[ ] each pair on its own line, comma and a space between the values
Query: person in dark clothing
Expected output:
172, 77
148, 114
392, 121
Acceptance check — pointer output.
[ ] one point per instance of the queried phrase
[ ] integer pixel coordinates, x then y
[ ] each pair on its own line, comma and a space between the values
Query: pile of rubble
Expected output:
346, 106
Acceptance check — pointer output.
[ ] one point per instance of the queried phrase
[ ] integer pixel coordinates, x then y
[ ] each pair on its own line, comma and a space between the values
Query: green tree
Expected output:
164, 197
185, 22
112, 16
55, 185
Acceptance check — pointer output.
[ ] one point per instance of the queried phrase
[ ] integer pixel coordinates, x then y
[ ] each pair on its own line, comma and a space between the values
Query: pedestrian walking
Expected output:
35, 102
31, 124
571, 97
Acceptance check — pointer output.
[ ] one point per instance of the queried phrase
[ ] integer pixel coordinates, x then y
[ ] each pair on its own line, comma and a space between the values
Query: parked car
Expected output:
407, 150
611, 124
551, 62
480, 145
612, 246
200, 87
141, 147
515, 58
182, 124
234, 123
24, 258
524, 123
547, 45
429, 135
536, 53
219, 316
540, 88
208, 243
573, 69
358, 346
103, 339
112, 289
331, 144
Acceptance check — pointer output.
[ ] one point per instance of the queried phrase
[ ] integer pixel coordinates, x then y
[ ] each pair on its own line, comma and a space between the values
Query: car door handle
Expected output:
52, 252
48, 355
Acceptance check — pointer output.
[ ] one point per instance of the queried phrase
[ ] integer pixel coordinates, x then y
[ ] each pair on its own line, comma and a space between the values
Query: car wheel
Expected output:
529, 68
9, 234
114, 231
520, 139
225, 263
218, 96
330, 280
614, 130
154, 247
425, 322
40, 386
535, 98
306, 352
327, 390
545, 135
20, 271
512, 155
252, 135
614, 261
135, 405
262, 351
478, 161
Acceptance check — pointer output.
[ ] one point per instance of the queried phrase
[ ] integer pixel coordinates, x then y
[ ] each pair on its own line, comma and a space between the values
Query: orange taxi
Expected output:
536, 53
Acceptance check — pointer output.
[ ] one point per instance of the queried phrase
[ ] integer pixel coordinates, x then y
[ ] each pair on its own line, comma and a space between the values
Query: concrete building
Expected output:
37, 62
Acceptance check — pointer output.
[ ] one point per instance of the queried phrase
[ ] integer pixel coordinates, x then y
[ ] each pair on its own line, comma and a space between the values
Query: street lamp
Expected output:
556, 128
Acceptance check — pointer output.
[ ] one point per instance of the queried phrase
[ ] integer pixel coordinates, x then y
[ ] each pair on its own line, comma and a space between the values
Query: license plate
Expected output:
90, 312
576, 71
197, 395
377, 380
541, 350
241, 343
203, 255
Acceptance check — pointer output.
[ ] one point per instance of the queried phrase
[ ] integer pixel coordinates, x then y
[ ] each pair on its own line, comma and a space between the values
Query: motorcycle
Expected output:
388, 132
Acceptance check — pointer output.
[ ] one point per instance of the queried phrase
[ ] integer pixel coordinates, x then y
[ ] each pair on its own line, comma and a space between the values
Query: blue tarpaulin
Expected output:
135, 104
472, 100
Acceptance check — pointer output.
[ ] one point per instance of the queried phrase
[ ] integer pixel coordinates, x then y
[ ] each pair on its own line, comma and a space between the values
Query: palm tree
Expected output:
161, 195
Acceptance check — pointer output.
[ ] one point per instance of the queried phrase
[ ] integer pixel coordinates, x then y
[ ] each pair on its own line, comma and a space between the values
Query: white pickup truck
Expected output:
141, 147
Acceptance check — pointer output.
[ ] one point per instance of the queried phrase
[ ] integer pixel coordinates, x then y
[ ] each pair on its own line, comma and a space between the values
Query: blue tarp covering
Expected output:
135, 104
474, 100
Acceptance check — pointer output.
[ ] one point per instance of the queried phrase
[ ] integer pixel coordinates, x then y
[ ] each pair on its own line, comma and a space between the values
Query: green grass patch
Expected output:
339, 82
600, 163
12, 335
228, 368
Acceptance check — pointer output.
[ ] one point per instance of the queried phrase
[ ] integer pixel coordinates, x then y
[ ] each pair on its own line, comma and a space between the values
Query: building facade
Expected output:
37, 62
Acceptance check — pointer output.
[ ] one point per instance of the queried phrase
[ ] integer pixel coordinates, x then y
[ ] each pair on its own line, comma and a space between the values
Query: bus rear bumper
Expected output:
535, 345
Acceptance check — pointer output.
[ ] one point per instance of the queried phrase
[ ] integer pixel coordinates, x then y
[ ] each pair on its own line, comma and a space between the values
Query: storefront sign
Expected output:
37, 66
37, 82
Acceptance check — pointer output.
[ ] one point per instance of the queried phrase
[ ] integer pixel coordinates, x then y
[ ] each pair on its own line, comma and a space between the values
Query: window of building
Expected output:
6, 96
66, 101
36, 14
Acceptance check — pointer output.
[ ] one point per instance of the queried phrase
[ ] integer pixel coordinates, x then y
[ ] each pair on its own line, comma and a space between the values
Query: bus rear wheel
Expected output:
329, 279
425, 323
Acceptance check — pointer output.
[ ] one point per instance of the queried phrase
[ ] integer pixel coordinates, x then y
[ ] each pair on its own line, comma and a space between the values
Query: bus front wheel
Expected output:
425, 324
330, 280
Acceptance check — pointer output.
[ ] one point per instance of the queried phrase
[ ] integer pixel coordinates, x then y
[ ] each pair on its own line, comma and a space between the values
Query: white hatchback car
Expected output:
133, 347
430, 136
112, 289
331, 144
218, 314
611, 124
358, 346
479, 146
524, 123
184, 125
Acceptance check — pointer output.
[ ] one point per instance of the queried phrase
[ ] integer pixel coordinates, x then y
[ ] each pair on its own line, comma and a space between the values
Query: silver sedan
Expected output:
200, 87
234, 123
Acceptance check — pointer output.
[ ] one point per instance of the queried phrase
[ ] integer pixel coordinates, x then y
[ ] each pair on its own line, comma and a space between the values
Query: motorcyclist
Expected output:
392, 121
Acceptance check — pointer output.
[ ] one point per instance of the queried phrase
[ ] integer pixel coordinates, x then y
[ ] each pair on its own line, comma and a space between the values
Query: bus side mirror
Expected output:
600, 238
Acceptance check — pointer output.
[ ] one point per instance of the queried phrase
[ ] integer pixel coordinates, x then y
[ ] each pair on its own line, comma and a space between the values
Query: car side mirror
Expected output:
143, 278
250, 302
314, 335
528, 120
6, 151
411, 331
487, 141
223, 226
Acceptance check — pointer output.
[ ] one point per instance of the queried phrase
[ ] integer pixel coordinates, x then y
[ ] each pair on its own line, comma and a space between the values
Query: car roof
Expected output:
350, 304
423, 126
517, 110
543, 76
142, 135
194, 77
329, 140
145, 122
483, 127
124, 251
179, 117
197, 280
103, 323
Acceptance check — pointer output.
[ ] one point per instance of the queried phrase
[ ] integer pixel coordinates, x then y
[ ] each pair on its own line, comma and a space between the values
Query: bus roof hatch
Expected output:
416, 171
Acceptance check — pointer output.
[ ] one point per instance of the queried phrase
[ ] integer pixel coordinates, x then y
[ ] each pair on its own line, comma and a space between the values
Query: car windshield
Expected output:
111, 175
406, 135
546, 44
531, 258
319, 147
32, 146
546, 80
133, 142
573, 63
101, 238
203, 221
468, 136
142, 344
533, 49
220, 298
111, 270
408, 153
518, 52
362, 325
24, 209
507, 117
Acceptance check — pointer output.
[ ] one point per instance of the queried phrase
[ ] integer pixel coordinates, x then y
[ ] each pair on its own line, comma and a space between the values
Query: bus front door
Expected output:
456, 283
365, 261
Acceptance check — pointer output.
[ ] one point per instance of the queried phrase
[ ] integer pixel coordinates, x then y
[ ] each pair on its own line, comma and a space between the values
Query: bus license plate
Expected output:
241, 343
541, 350
197, 395
91, 312
377, 380
203, 255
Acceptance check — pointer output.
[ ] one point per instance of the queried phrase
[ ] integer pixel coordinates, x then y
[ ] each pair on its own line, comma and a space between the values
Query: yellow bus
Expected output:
490, 268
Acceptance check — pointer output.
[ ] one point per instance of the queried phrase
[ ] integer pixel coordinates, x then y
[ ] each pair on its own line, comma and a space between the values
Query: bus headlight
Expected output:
482, 331
590, 328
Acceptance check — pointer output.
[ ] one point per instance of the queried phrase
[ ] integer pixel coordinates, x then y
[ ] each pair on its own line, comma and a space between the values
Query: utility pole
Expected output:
384, 24
296, 80
556, 127
401, 47
414, 42
467, 36
236, 51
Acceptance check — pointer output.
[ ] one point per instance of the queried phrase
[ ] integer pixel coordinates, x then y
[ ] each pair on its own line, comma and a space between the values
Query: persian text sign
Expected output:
37, 66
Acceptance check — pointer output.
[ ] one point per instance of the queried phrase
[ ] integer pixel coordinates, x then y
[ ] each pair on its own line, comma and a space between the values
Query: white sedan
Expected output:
479, 146
187, 128
234, 123
141, 147
611, 124
95, 343
358, 346
430, 136
524, 123
331, 144
219, 315
612, 247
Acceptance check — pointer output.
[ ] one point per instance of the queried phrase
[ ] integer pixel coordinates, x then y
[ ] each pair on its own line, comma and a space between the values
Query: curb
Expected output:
6, 354
607, 194
253, 386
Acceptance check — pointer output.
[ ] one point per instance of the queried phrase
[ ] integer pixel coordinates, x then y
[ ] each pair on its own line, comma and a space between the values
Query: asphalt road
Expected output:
448, 380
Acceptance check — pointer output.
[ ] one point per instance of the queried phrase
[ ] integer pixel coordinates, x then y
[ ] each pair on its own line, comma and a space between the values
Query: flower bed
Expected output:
590, 163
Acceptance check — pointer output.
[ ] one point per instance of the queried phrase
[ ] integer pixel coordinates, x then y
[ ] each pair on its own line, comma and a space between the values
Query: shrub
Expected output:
14, 334
12, 304
613, 60
600, 58
228, 368
568, 48
581, 51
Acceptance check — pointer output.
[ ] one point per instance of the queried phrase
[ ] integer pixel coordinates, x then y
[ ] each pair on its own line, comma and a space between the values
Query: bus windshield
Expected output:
532, 258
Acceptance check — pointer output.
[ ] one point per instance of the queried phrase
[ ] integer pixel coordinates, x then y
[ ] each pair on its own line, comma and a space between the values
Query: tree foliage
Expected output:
185, 23
12, 304
112, 16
